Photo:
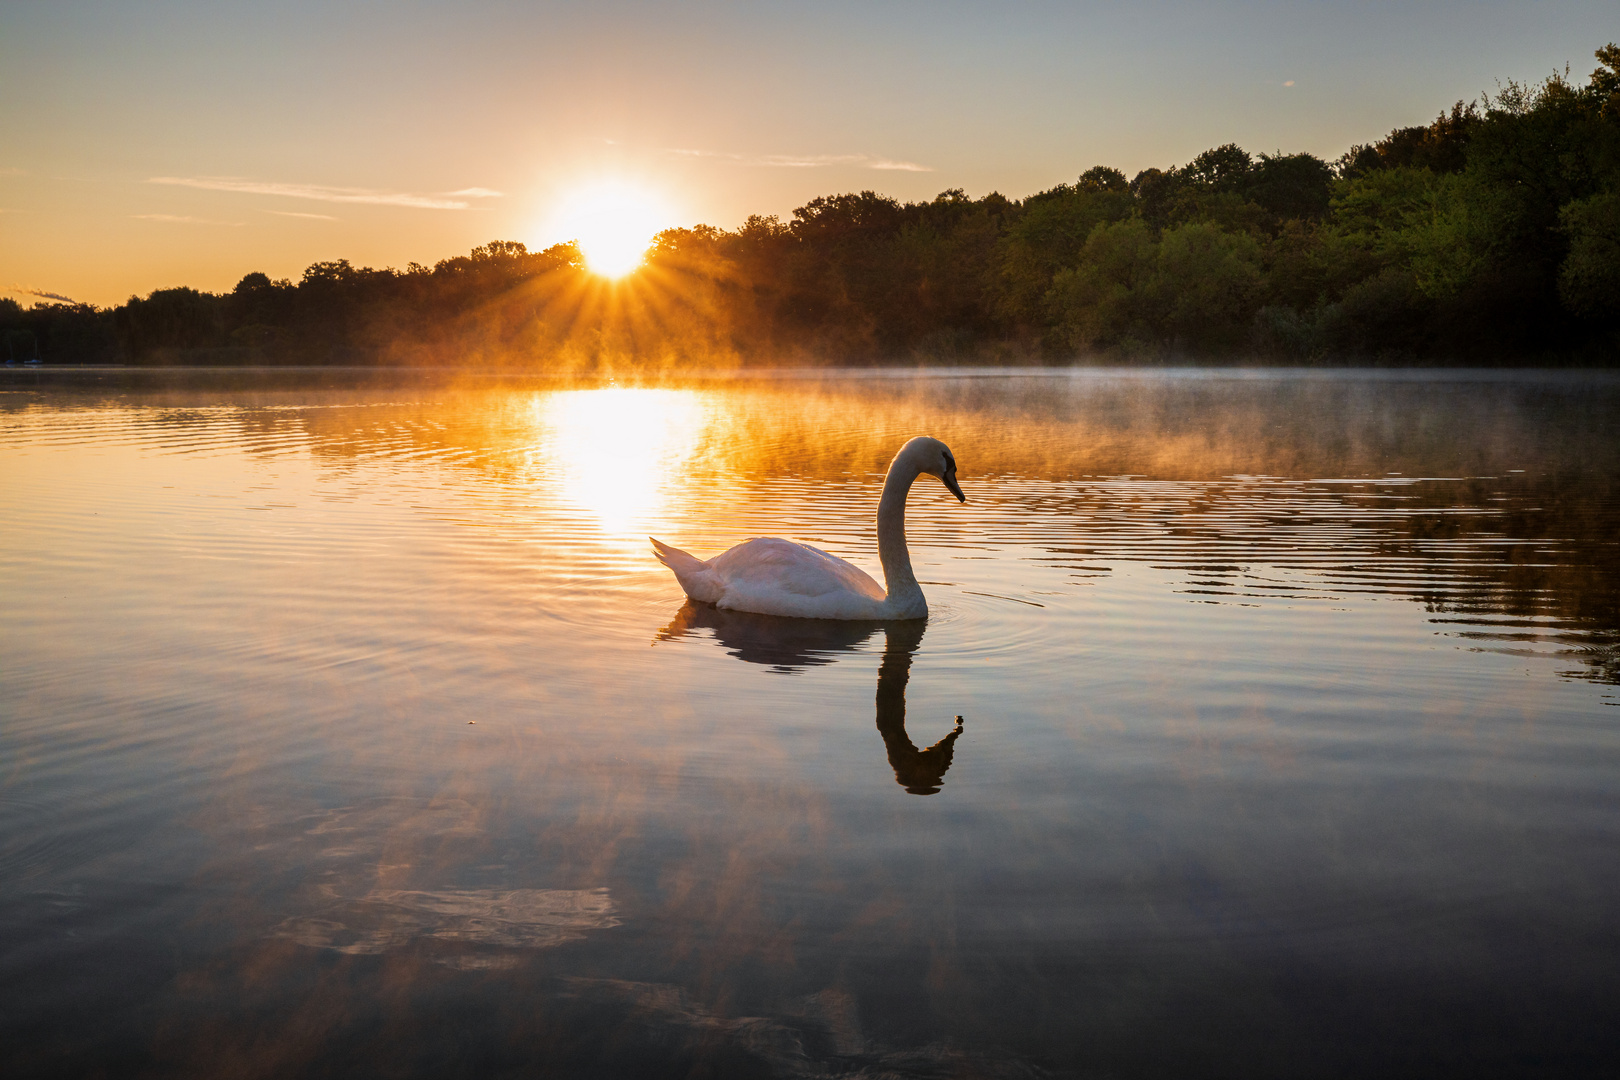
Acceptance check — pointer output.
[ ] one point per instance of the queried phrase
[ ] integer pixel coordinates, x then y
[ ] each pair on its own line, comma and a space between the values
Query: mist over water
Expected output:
349, 727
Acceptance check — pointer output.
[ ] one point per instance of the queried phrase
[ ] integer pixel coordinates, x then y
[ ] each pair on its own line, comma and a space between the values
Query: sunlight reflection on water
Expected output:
1286, 728
621, 453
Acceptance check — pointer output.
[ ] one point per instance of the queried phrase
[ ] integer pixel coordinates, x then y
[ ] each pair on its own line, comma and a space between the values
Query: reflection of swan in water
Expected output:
779, 577
790, 644
785, 644
920, 772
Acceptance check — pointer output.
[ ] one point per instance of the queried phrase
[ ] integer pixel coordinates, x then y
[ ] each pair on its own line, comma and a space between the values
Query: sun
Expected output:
614, 223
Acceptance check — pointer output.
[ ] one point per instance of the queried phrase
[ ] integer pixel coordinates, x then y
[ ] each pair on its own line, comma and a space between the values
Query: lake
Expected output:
1264, 724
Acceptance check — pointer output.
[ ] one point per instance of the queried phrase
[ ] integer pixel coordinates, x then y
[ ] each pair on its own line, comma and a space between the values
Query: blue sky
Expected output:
155, 144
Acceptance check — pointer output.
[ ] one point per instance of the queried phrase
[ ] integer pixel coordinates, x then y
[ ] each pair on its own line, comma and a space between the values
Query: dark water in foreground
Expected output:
355, 732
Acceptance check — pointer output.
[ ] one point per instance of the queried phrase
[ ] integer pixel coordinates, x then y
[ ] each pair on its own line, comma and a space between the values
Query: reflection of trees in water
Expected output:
1543, 570
1514, 564
787, 645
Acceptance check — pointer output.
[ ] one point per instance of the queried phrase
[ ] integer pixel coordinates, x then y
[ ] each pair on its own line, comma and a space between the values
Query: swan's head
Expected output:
934, 458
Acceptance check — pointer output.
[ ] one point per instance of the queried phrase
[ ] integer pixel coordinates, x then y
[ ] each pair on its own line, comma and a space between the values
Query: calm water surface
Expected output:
350, 729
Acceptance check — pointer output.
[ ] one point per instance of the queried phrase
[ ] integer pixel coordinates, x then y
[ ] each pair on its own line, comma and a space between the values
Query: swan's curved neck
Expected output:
904, 594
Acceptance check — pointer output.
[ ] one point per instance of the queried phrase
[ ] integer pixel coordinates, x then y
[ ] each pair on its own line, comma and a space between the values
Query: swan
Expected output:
770, 576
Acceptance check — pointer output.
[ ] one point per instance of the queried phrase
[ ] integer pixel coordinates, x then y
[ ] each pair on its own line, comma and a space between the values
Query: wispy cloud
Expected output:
24, 290
805, 161
454, 200
299, 213
11, 170
181, 219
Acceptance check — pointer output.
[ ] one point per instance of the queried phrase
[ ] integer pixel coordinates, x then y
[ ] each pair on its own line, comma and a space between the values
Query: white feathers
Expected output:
778, 577
771, 576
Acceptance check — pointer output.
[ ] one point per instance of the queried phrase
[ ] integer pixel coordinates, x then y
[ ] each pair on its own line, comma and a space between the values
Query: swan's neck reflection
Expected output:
920, 772
789, 645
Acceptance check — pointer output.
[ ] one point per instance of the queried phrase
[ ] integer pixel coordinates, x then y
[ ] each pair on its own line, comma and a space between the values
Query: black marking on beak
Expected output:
950, 482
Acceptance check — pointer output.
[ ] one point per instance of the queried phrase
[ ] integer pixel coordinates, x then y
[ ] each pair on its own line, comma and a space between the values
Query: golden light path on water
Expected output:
619, 453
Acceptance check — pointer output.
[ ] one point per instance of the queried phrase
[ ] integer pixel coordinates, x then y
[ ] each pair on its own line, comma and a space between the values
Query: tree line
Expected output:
1490, 235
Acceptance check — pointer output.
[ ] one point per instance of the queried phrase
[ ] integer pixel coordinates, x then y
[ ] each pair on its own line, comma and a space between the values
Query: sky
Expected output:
154, 144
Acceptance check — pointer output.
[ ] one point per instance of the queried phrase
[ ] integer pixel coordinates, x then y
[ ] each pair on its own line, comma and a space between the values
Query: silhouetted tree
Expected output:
1291, 186
1102, 178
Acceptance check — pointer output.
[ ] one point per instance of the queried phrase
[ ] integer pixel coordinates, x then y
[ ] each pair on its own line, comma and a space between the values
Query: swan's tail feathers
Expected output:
676, 559
693, 573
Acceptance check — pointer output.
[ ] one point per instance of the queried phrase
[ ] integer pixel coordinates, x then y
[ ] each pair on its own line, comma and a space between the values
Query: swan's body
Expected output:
779, 577
771, 576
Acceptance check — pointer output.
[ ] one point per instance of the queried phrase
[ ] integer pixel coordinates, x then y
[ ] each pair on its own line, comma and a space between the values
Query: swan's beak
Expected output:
956, 489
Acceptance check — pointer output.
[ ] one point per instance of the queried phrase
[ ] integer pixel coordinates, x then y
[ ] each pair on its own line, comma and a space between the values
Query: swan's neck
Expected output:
904, 594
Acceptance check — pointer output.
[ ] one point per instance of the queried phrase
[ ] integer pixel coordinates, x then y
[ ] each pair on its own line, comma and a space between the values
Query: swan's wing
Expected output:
756, 571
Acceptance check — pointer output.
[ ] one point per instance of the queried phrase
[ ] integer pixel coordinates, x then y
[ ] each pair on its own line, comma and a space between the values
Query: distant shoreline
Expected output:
66, 376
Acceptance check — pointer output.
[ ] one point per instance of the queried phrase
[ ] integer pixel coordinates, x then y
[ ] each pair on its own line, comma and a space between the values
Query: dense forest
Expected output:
1491, 235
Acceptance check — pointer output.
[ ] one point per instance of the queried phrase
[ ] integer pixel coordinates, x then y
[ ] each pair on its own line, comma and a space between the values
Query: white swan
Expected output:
778, 577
